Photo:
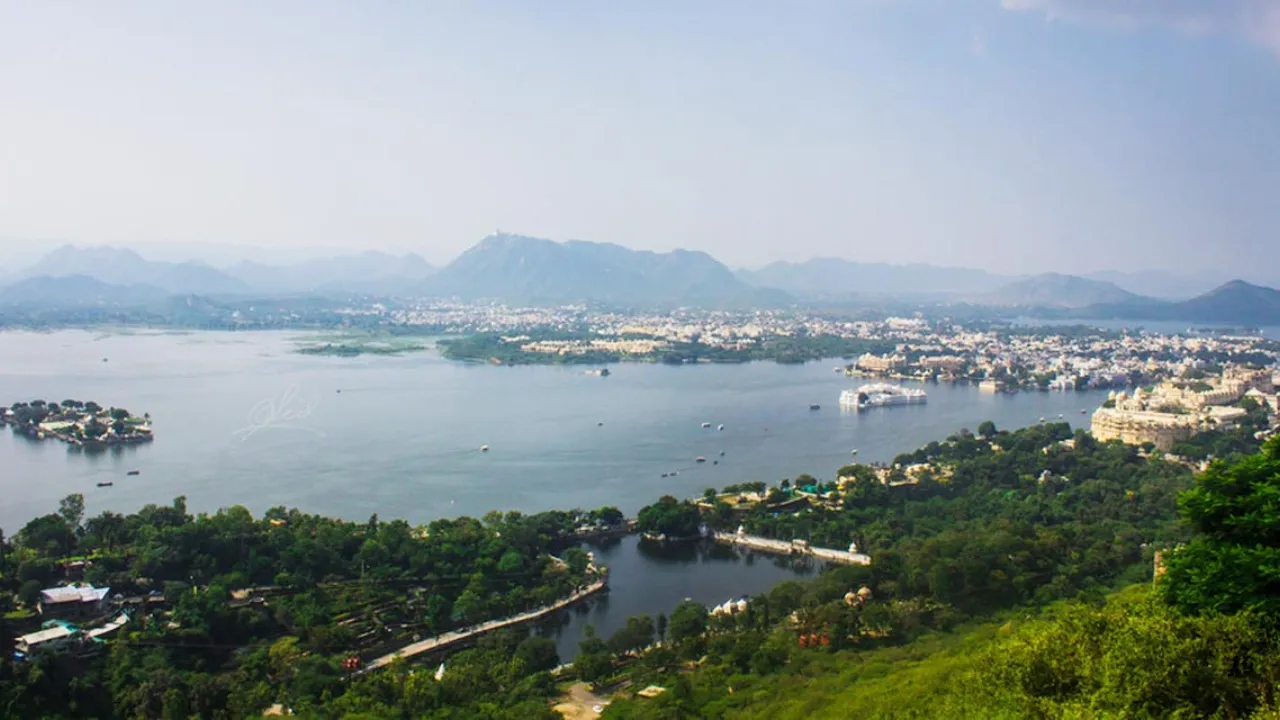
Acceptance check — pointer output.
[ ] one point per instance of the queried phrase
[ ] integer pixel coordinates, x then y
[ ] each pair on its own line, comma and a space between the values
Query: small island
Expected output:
356, 344
548, 346
83, 424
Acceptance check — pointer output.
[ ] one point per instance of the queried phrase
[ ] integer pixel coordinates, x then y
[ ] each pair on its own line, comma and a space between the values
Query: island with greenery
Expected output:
355, 344
83, 424
589, 347
1032, 573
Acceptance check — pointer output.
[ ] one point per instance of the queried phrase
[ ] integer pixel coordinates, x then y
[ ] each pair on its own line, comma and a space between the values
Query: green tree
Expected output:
636, 634
669, 517
71, 509
49, 534
594, 662
688, 620
987, 429
610, 515
577, 560
538, 654
29, 593
1233, 560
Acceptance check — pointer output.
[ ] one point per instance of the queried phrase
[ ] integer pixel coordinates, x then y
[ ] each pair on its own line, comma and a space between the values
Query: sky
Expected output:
1013, 135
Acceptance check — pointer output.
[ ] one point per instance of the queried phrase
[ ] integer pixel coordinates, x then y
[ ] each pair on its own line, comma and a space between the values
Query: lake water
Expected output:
240, 419
647, 579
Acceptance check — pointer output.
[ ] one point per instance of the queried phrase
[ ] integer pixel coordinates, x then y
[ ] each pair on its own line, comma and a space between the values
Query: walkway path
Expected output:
452, 638
779, 547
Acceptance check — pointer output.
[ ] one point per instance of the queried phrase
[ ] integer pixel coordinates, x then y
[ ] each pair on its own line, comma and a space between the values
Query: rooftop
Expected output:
57, 632
73, 593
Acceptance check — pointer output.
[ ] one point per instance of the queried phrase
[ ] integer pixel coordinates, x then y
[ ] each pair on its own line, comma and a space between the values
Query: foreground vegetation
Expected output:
993, 593
1205, 643
233, 613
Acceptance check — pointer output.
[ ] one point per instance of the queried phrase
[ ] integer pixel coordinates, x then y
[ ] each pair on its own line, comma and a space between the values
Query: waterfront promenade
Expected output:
450, 639
779, 547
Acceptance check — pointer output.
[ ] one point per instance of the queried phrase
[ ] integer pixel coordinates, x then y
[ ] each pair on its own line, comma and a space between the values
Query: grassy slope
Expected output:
915, 680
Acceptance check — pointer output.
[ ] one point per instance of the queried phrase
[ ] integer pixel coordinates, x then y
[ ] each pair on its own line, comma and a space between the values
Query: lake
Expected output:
646, 579
240, 419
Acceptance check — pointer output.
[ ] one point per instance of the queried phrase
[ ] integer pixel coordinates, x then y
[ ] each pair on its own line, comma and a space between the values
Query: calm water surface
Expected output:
646, 579
240, 419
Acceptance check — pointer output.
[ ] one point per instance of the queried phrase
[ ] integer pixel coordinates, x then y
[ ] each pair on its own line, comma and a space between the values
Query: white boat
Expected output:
484, 448
881, 395
706, 425
721, 427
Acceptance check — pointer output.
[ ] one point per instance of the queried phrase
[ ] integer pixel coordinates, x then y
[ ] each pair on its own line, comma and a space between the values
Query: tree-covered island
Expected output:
84, 424
589, 347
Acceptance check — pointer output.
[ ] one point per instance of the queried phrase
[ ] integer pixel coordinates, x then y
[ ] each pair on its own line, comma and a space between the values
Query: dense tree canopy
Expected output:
1233, 561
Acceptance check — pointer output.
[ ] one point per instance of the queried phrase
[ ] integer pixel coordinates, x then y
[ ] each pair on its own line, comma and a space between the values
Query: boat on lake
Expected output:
105, 484
815, 406
706, 425
134, 472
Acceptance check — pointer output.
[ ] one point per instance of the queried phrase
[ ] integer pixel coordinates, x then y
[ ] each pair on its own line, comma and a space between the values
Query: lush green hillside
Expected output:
1204, 644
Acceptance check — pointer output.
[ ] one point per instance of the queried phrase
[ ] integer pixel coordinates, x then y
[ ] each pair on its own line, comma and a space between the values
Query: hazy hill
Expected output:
834, 277
516, 268
371, 272
1052, 290
75, 291
1234, 302
1157, 284
124, 267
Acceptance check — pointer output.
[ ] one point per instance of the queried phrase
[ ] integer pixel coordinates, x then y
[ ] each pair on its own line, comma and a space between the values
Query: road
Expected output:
452, 638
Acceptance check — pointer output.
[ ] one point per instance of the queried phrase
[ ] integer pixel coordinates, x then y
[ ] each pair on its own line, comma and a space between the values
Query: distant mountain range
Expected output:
69, 291
120, 266
1052, 290
833, 278
367, 272
516, 268
1236, 302
1157, 284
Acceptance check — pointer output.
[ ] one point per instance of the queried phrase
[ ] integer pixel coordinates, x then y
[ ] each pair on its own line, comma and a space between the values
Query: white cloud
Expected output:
1256, 20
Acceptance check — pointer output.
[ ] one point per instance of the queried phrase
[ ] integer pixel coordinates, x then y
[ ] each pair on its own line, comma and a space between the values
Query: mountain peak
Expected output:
517, 268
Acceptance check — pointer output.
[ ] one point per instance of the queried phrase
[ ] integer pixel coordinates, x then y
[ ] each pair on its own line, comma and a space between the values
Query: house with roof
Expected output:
53, 636
72, 601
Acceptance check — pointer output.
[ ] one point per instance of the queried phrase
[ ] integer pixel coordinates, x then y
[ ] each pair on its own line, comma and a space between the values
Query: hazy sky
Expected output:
1019, 136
